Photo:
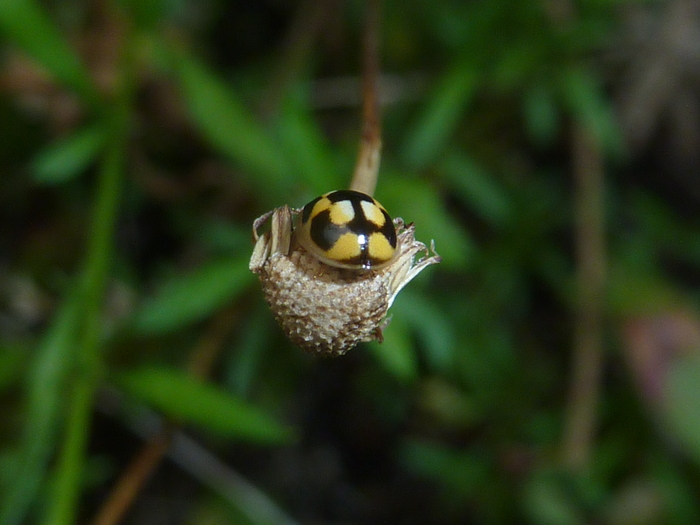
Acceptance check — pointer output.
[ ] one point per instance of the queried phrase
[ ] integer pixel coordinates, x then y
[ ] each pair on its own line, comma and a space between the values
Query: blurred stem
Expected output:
46, 380
134, 477
587, 358
68, 478
366, 172
139, 471
88, 363
584, 394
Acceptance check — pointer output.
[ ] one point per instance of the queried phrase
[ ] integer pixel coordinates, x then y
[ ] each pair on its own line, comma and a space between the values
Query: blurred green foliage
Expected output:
142, 140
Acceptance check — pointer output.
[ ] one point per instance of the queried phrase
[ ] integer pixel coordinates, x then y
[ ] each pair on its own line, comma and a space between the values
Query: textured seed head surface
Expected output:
322, 309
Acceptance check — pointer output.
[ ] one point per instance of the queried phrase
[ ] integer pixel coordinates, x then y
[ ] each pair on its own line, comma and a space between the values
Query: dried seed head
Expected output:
323, 309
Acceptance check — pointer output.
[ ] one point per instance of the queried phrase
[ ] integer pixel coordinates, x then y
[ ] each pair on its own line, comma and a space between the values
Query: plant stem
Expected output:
134, 478
366, 172
67, 482
66, 487
580, 426
144, 464
44, 412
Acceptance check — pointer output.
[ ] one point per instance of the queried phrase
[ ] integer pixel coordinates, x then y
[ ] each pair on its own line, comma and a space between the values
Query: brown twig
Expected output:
143, 465
133, 478
587, 352
367, 167
580, 425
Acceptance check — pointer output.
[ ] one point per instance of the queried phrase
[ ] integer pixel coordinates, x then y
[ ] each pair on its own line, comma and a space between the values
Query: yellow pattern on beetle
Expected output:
345, 248
341, 212
373, 212
380, 247
347, 229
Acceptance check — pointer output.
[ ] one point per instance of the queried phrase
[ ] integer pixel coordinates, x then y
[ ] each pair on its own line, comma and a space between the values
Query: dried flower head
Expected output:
324, 309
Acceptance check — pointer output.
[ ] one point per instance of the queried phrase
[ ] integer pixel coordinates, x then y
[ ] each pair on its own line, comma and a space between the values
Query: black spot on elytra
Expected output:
306, 212
348, 195
323, 232
388, 229
359, 223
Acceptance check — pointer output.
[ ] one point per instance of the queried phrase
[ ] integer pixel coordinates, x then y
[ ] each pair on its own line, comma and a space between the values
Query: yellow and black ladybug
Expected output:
347, 229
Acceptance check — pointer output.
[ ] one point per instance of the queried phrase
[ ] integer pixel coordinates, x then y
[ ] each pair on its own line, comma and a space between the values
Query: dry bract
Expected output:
327, 310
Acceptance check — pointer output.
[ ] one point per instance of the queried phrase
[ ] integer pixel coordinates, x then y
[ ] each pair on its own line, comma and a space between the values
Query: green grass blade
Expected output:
69, 473
189, 400
230, 128
396, 353
250, 352
431, 326
68, 479
459, 471
13, 364
541, 114
192, 297
417, 201
441, 115
309, 153
71, 156
478, 189
683, 394
29, 27
583, 95
45, 396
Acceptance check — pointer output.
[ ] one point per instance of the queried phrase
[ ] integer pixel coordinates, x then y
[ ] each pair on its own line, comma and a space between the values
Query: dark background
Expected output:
546, 372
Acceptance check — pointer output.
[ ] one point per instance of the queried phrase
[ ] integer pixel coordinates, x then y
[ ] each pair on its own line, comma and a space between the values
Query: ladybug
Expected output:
347, 229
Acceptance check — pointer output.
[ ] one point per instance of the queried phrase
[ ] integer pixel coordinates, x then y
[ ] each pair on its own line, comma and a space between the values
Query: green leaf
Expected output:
548, 502
185, 398
584, 97
308, 150
192, 297
29, 27
70, 157
45, 397
441, 115
217, 234
431, 326
677, 492
683, 395
541, 114
226, 123
147, 14
13, 363
396, 351
635, 287
460, 471
250, 351
478, 188
517, 62
417, 201
88, 339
